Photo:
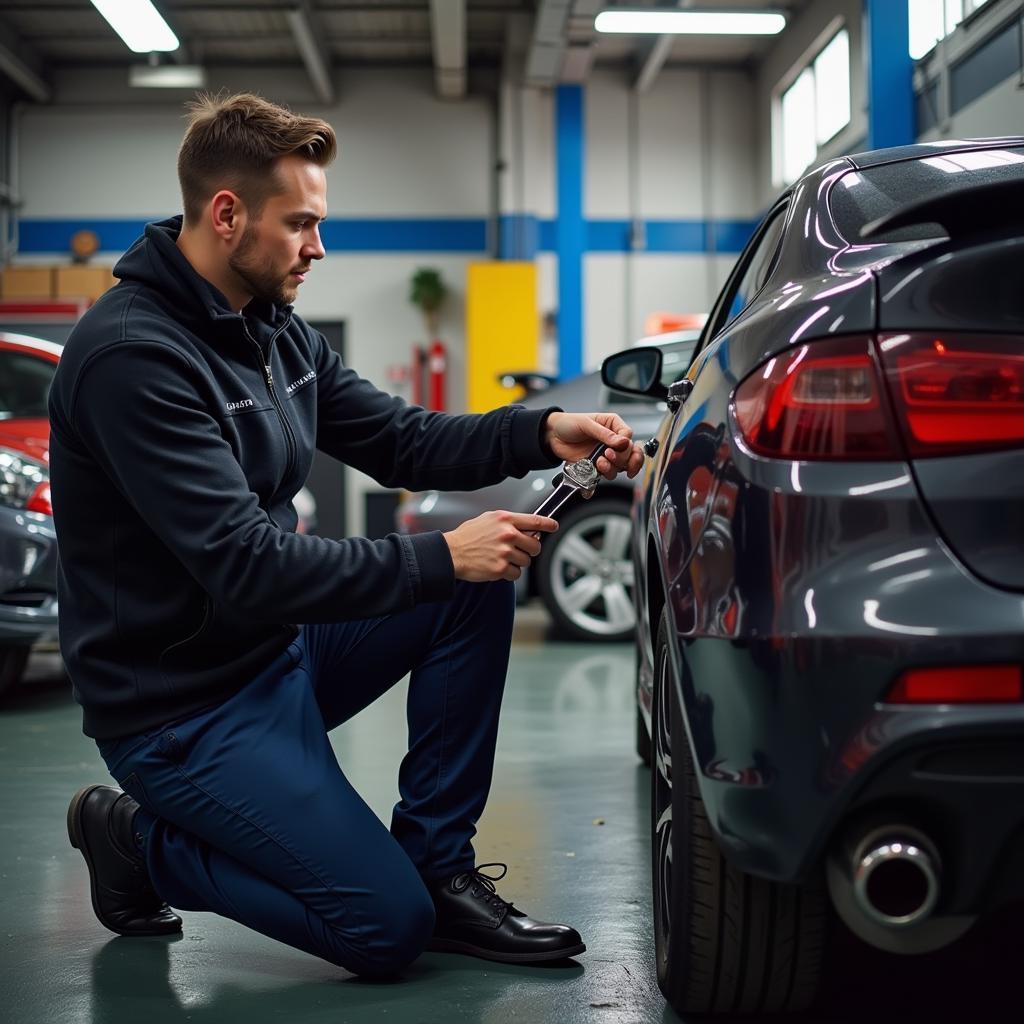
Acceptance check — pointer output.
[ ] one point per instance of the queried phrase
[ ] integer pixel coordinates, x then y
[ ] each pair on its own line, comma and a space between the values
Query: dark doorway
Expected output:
327, 476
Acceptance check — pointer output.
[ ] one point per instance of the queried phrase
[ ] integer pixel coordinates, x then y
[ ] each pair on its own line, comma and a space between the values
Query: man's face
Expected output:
276, 250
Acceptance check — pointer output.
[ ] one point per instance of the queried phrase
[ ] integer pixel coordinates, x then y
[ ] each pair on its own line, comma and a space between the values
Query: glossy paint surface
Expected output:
799, 590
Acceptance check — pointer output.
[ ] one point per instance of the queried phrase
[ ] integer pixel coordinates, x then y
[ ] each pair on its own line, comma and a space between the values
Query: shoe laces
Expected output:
482, 885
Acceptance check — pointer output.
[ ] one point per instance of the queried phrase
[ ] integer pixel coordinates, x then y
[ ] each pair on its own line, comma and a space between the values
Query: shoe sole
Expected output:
76, 837
466, 948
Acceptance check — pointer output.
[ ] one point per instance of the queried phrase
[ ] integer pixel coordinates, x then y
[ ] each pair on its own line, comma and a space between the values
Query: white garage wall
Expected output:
100, 152
677, 153
680, 152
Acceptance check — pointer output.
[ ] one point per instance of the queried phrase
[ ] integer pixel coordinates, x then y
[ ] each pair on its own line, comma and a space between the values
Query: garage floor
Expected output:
568, 813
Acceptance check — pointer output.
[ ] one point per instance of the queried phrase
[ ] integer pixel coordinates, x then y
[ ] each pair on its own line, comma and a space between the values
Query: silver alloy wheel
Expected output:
662, 817
592, 574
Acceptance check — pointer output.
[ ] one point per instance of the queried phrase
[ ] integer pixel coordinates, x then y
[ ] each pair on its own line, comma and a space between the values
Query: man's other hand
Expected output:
572, 436
496, 545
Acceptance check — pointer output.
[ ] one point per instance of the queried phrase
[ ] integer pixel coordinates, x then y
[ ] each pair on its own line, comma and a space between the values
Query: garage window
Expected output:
813, 109
932, 20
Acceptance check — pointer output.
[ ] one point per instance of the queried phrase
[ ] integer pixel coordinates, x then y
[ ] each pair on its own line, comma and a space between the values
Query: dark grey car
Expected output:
830, 557
584, 573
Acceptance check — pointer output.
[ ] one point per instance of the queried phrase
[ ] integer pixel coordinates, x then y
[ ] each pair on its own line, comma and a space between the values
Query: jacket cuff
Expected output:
526, 438
435, 579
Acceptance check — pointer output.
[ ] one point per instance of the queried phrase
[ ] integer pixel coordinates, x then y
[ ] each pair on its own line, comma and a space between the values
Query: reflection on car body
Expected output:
830, 560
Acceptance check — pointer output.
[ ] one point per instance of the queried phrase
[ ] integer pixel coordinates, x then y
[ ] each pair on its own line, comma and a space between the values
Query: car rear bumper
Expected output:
795, 749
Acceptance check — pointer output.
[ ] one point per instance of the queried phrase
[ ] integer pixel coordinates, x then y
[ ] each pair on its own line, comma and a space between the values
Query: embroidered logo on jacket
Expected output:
298, 383
245, 403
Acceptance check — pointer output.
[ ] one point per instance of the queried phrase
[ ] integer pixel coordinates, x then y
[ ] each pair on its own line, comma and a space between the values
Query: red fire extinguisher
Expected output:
437, 372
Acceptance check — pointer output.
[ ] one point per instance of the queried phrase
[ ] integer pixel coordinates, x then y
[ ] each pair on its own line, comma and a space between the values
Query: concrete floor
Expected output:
568, 813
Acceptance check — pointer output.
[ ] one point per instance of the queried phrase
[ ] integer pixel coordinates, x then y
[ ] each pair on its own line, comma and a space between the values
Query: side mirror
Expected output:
637, 371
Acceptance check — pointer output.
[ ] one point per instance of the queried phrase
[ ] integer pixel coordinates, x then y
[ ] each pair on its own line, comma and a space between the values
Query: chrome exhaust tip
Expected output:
896, 877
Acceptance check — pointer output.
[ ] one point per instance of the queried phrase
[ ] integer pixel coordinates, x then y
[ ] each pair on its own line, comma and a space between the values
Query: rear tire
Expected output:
725, 941
12, 665
643, 739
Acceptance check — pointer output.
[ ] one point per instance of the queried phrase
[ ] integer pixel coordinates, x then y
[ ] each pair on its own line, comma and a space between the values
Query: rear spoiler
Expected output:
962, 211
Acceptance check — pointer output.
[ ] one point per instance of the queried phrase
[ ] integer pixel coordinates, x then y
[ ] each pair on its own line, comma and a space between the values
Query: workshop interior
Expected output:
761, 732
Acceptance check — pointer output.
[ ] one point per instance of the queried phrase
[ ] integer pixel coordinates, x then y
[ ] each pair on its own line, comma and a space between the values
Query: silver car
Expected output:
584, 573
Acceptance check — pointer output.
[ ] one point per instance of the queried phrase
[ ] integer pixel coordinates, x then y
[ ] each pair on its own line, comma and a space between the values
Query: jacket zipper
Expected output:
268, 375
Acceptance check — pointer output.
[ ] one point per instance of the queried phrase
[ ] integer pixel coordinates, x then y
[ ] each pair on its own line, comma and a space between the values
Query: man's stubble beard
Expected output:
258, 274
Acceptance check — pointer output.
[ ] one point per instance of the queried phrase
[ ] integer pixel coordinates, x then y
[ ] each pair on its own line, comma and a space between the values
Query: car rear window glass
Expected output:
24, 384
862, 196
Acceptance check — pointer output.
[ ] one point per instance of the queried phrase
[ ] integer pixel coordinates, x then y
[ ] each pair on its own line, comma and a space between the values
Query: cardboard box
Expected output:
81, 282
27, 283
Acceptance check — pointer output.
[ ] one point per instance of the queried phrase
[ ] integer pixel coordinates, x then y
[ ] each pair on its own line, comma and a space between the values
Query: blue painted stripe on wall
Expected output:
668, 236
522, 236
55, 235
731, 236
570, 228
890, 74
518, 236
448, 234
546, 235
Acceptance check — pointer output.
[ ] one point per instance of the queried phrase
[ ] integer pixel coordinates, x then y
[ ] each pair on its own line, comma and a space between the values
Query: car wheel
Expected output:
12, 665
585, 572
643, 737
643, 740
725, 941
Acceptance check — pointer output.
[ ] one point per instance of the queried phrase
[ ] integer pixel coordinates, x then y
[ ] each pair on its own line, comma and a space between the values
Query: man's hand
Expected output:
496, 545
573, 435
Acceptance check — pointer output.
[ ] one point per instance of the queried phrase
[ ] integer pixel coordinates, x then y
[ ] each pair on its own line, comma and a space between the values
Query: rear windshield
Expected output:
24, 384
862, 196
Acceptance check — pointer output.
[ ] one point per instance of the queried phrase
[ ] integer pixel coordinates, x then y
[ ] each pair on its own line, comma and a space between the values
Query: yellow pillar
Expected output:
502, 332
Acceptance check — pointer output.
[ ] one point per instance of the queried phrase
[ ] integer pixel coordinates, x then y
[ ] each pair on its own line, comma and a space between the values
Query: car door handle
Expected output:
678, 392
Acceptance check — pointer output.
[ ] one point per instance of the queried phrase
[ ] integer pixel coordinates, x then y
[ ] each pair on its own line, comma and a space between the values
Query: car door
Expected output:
692, 504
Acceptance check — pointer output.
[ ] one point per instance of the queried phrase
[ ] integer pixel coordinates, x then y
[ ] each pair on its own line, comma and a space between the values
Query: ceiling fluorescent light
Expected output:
167, 76
699, 23
139, 24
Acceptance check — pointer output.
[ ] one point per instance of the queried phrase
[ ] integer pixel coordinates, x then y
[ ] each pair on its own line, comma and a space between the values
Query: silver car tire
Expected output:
585, 572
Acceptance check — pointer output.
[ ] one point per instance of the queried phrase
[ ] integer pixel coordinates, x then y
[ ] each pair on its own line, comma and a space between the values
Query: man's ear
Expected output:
227, 215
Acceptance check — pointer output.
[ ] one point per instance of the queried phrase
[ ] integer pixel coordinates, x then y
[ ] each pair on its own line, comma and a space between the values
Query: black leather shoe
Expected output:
473, 919
100, 826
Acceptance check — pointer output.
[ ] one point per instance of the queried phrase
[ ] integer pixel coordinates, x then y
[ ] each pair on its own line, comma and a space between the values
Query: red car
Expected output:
28, 544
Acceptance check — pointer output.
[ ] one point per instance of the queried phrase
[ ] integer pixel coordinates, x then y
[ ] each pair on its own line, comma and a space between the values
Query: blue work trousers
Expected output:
247, 813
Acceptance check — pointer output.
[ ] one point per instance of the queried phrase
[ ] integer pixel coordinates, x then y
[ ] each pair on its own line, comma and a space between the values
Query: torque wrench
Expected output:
580, 478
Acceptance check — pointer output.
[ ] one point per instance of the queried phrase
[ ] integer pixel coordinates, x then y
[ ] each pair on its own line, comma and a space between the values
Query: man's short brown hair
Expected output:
232, 142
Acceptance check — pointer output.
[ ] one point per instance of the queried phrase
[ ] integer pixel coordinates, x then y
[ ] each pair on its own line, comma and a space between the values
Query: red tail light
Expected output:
822, 400
955, 393
977, 684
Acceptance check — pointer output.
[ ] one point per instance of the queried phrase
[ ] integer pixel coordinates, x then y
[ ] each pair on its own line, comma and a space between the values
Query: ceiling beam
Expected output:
307, 35
448, 39
544, 57
562, 49
22, 65
657, 51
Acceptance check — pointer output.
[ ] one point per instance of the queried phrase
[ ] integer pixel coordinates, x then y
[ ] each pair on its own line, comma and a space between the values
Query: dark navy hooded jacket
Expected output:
180, 432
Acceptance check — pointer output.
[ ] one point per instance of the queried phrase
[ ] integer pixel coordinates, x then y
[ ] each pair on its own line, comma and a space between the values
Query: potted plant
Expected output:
428, 292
